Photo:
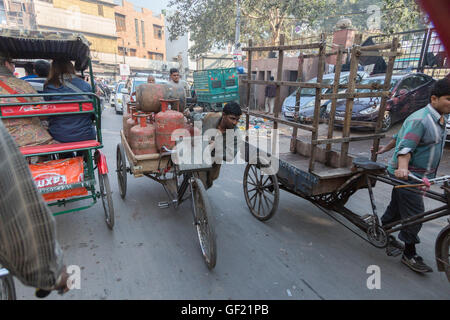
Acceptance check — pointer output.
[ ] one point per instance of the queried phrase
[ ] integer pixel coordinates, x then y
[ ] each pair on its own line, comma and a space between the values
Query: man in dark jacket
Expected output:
270, 94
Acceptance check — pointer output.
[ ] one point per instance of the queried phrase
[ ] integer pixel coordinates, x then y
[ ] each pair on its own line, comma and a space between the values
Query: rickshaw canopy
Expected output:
35, 44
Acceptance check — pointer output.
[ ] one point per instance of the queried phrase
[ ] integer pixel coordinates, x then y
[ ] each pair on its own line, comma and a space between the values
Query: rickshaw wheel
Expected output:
7, 288
445, 255
261, 192
202, 220
121, 170
106, 194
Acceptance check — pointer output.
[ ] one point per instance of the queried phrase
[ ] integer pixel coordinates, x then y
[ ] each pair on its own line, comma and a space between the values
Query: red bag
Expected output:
59, 172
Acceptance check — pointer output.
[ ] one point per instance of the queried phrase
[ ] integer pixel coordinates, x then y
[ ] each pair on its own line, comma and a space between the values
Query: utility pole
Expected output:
237, 45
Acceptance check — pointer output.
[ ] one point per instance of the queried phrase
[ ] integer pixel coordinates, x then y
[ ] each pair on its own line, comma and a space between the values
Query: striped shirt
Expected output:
423, 136
28, 245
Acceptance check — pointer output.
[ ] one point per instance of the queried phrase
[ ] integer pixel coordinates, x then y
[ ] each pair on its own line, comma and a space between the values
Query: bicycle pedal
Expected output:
163, 204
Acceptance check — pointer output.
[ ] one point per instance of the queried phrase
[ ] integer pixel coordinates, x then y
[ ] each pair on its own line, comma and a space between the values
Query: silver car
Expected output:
308, 96
118, 97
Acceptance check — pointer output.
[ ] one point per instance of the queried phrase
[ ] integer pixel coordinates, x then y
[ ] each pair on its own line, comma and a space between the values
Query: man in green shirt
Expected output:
419, 147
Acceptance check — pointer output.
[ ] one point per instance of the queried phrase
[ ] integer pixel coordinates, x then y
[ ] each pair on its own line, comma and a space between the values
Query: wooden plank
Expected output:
247, 118
376, 94
351, 88
337, 75
293, 145
277, 107
375, 47
288, 83
282, 47
358, 123
348, 139
379, 54
320, 71
287, 122
387, 85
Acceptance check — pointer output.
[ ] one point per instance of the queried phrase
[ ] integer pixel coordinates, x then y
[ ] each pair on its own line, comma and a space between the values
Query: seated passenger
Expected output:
41, 69
70, 128
25, 131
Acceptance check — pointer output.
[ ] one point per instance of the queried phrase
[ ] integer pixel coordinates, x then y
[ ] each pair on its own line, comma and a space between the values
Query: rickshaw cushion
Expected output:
60, 147
45, 109
366, 163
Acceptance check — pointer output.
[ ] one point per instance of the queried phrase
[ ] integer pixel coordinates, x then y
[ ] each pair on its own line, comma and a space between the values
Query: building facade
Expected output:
93, 18
140, 32
18, 14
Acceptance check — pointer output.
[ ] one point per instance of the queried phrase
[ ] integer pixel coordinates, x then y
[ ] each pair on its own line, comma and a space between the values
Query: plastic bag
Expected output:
56, 173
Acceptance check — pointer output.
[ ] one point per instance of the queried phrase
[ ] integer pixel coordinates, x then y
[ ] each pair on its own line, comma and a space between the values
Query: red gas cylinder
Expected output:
167, 121
130, 123
142, 137
127, 114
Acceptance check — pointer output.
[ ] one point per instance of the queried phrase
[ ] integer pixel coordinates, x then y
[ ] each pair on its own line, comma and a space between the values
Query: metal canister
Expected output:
130, 122
167, 121
142, 137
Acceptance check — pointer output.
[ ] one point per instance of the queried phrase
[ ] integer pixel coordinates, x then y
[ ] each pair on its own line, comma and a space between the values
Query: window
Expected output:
120, 23
157, 32
143, 33
136, 27
155, 56
133, 52
122, 51
100, 10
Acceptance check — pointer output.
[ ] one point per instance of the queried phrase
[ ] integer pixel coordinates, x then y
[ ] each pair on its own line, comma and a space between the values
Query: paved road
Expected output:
301, 253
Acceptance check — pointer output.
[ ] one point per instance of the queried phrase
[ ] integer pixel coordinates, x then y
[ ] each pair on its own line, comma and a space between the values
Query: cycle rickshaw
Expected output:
29, 45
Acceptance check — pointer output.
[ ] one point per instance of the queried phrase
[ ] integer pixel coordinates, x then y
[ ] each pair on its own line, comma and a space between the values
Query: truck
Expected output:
216, 87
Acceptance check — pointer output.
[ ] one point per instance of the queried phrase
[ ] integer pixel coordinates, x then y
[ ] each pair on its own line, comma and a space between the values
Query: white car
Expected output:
118, 97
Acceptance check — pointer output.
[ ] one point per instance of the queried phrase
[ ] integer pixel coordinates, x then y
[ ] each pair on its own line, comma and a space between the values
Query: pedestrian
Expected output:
28, 245
270, 93
419, 147
179, 87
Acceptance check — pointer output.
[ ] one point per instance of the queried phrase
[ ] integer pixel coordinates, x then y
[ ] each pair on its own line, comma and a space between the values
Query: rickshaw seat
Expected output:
57, 147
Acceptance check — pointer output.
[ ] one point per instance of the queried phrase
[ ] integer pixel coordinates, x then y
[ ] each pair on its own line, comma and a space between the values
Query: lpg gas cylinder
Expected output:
148, 96
127, 114
130, 123
167, 121
142, 137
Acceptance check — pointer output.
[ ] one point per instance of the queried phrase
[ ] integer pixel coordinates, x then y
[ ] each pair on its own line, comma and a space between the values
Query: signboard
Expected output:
237, 55
124, 69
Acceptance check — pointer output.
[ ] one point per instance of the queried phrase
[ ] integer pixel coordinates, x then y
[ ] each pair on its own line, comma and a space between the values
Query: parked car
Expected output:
308, 97
409, 93
118, 97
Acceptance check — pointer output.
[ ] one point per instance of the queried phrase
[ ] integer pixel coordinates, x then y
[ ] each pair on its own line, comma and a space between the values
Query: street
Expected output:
301, 253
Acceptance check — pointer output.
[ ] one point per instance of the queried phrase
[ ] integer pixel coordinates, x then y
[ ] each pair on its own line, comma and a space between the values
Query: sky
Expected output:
155, 5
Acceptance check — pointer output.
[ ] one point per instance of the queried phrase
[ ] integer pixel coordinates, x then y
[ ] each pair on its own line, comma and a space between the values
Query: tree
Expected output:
212, 22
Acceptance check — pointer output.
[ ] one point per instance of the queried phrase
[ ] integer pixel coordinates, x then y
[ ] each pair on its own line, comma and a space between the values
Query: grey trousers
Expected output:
405, 204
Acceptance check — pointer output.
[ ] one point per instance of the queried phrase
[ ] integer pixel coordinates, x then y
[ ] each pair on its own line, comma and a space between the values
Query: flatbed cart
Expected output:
323, 176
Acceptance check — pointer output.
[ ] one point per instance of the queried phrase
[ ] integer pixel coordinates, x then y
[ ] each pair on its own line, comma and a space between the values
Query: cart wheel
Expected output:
445, 255
121, 170
7, 288
202, 220
261, 192
105, 192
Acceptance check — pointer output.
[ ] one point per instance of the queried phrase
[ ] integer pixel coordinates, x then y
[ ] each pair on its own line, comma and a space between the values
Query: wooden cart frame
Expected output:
324, 176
